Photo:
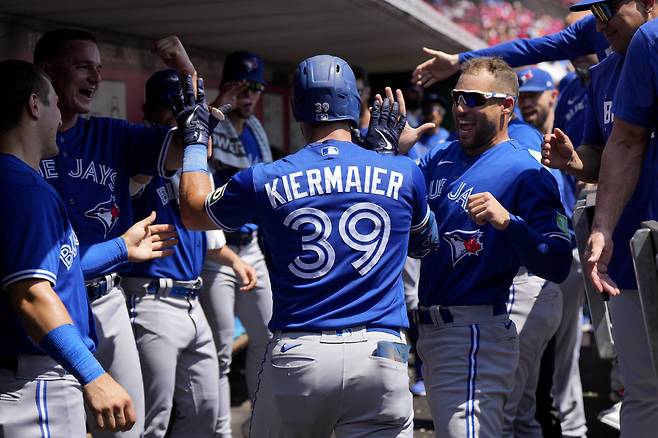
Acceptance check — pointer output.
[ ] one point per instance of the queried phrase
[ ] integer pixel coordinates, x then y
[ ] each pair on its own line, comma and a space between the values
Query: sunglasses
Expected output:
474, 98
604, 11
256, 87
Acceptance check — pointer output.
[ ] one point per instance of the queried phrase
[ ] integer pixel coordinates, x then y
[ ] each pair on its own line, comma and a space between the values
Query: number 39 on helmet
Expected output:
325, 90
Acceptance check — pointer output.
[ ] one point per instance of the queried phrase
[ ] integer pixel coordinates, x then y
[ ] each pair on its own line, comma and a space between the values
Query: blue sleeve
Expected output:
636, 98
421, 210
32, 233
579, 39
102, 258
539, 232
592, 134
145, 148
233, 204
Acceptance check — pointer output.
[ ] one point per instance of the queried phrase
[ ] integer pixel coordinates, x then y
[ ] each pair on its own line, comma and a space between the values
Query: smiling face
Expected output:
75, 73
629, 16
480, 127
51, 120
537, 106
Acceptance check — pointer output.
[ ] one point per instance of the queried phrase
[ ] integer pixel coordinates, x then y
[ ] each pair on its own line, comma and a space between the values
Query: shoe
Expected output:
418, 388
611, 416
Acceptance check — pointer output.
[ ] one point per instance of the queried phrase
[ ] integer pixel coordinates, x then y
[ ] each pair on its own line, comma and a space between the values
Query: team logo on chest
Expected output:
463, 243
107, 213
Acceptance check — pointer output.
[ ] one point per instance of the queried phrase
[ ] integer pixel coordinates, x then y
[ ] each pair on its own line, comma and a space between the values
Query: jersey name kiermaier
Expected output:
475, 264
185, 264
336, 221
38, 243
91, 172
598, 127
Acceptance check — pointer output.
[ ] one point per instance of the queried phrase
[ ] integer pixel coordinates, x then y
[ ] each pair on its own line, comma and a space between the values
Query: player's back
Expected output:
336, 221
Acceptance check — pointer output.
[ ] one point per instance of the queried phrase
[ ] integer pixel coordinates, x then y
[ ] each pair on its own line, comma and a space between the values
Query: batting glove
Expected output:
386, 125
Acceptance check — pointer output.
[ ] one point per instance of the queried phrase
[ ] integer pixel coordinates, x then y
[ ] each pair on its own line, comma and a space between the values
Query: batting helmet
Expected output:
161, 86
325, 90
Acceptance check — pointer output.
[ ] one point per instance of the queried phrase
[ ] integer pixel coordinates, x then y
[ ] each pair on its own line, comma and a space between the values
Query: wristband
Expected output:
195, 158
65, 345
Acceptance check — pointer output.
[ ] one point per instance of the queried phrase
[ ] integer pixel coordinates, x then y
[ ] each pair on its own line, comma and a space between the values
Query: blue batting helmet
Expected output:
325, 90
161, 86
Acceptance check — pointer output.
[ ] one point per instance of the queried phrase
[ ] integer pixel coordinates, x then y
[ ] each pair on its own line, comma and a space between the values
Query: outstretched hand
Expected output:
557, 151
439, 67
145, 241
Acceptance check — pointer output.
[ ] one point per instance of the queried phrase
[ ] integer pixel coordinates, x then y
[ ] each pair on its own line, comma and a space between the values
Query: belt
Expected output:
423, 315
162, 287
9, 363
239, 239
101, 286
344, 331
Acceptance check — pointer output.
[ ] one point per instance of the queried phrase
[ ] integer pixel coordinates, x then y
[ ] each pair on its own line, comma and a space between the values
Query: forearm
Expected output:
102, 258
224, 256
38, 307
424, 240
621, 164
545, 256
585, 164
194, 189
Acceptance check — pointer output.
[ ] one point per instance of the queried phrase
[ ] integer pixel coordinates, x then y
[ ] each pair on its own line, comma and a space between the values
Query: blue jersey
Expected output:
185, 264
569, 111
475, 264
637, 101
336, 218
579, 39
91, 173
598, 126
39, 243
428, 142
530, 138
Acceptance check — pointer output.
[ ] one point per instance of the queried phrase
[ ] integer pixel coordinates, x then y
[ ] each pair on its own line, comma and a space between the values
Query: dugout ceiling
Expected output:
381, 35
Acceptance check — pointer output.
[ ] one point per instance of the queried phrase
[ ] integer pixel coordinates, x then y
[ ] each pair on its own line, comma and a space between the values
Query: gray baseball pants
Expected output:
117, 353
639, 407
221, 300
313, 384
535, 306
567, 388
468, 366
40, 399
179, 363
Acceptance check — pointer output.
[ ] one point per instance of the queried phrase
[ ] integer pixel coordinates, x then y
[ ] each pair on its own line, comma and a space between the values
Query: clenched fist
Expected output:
484, 207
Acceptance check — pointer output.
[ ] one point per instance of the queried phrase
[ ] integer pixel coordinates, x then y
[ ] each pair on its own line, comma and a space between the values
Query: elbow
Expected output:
191, 219
560, 265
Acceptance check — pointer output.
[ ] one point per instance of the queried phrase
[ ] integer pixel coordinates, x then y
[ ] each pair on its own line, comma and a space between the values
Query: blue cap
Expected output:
533, 80
160, 86
243, 66
325, 90
585, 5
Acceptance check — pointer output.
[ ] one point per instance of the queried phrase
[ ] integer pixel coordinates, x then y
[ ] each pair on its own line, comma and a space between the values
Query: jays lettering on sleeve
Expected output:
39, 243
336, 220
475, 264
91, 172
579, 39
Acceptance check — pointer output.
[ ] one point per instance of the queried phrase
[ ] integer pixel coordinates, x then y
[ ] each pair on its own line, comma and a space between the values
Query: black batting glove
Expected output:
386, 125
193, 118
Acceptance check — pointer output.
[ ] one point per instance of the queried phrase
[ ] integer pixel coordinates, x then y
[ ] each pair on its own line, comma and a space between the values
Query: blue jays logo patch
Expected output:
107, 213
250, 64
525, 77
463, 243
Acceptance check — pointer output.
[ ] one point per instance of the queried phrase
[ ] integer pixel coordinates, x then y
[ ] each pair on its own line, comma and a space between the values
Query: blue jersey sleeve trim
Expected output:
213, 217
28, 274
422, 224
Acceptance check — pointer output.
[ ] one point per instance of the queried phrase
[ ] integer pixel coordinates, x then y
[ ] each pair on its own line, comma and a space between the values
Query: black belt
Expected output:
424, 315
101, 287
239, 239
9, 363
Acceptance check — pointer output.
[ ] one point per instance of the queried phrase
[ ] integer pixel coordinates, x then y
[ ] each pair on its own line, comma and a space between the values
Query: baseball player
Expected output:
498, 210
639, 407
336, 218
91, 173
46, 329
434, 109
178, 359
578, 39
238, 143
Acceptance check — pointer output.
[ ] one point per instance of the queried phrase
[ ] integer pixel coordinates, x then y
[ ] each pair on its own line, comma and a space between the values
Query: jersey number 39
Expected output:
372, 245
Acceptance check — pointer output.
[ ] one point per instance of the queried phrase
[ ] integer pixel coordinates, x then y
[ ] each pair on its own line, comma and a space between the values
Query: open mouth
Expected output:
465, 125
87, 92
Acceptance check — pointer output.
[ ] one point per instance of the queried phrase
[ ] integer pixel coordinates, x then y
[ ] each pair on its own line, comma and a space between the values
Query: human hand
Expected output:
110, 404
484, 207
439, 67
145, 241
